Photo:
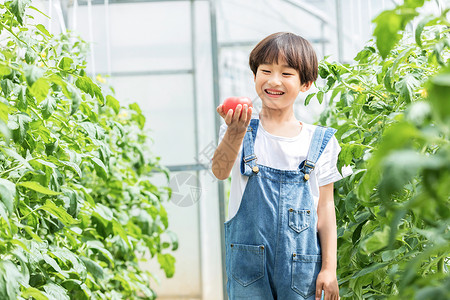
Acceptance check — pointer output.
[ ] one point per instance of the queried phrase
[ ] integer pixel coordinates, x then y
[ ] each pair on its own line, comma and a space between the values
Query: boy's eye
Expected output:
287, 74
265, 71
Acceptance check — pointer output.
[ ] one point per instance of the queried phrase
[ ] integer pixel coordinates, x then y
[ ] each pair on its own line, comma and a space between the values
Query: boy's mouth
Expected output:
273, 92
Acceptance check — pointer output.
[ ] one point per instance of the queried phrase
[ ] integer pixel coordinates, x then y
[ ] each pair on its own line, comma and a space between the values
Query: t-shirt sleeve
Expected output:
327, 171
222, 131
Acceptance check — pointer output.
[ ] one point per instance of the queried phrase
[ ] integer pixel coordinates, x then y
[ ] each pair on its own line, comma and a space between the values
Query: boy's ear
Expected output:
306, 86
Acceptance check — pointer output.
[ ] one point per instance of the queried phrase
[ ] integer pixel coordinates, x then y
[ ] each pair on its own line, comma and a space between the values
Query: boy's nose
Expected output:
274, 80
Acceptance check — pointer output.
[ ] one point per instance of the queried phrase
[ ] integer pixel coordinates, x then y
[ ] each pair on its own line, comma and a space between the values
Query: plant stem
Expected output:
440, 265
9, 170
11, 67
37, 114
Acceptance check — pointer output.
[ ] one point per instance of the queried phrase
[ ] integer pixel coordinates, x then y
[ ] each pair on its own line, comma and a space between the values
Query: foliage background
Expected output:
392, 111
77, 205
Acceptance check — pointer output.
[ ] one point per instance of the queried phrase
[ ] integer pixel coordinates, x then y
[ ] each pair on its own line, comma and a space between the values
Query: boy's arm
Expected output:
326, 226
226, 154
228, 149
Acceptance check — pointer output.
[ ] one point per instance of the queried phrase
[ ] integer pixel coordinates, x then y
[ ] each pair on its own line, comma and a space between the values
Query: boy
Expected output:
281, 234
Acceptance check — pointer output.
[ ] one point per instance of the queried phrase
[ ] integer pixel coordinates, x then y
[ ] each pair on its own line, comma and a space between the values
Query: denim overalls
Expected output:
272, 246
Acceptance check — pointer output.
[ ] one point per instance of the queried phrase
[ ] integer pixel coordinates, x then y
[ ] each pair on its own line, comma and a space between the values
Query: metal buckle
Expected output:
252, 157
309, 164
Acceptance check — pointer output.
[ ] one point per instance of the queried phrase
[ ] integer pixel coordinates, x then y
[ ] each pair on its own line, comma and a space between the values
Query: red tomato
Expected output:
232, 102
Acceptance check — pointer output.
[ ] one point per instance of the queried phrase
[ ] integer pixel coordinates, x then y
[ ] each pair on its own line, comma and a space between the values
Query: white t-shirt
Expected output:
286, 153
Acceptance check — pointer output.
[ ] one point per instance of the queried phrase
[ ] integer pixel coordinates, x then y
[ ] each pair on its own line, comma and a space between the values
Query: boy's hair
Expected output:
295, 50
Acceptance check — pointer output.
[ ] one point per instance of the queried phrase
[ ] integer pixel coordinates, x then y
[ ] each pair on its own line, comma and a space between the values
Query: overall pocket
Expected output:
247, 263
305, 269
299, 220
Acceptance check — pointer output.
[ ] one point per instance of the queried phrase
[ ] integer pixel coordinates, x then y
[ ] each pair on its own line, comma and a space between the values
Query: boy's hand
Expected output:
327, 281
237, 123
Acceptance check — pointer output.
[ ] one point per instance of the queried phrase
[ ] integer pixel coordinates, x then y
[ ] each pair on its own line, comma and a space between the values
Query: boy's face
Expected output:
278, 85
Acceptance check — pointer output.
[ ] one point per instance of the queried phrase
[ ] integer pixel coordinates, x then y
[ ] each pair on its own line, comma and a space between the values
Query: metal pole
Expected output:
360, 22
91, 36
74, 15
61, 16
351, 12
50, 11
339, 29
63, 6
215, 65
322, 37
108, 40
201, 213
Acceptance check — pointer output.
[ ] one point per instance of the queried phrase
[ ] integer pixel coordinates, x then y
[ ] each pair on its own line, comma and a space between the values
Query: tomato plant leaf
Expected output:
308, 98
4, 70
388, 82
52, 262
167, 263
33, 235
320, 96
36, 186
18, 9
174, 239
7, 194
34, 292
7, 86
419, 29
48, 106
100, 168
86, 85
118, 229
76, 98
439, 94
19, 124
104, 212
406, 87
92, 267
113, 103
32, 73
42, 29
4, 215
135, 107
59, 213
388, 25
40, 88
73, 166
378, 240
55, 291
65, 63
10, 280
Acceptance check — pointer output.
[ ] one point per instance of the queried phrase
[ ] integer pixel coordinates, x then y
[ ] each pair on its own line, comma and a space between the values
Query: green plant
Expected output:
391, 109
78, 209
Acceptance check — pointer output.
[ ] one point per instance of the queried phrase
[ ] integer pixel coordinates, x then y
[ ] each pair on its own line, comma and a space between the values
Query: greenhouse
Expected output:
126, 173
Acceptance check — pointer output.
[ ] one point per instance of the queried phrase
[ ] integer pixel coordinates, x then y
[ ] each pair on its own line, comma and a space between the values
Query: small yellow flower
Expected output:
423, 93
122, 115
41, 65
43, 54
358, 88
100, 78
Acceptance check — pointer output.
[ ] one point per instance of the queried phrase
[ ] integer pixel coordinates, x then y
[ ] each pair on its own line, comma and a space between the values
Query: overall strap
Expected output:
248, 160
320, 139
